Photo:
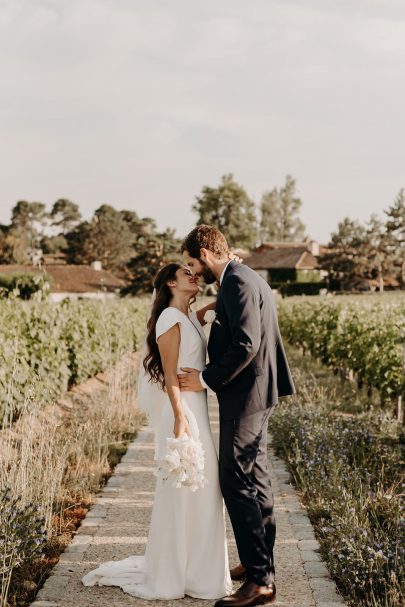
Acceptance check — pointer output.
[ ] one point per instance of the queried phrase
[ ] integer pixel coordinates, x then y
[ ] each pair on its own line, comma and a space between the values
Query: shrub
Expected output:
365, 337
301, 288
349, 476
45, 346
24, 285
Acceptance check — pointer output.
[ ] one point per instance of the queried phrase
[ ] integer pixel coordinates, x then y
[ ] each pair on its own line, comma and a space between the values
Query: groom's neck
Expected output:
219, 267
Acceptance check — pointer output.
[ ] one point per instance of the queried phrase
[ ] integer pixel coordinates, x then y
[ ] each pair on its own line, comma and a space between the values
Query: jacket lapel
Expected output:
229, 268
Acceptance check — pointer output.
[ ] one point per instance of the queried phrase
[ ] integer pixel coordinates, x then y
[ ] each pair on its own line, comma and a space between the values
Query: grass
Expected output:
345, 456
57, 458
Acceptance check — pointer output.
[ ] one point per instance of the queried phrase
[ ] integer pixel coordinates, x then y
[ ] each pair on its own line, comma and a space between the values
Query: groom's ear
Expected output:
203, 254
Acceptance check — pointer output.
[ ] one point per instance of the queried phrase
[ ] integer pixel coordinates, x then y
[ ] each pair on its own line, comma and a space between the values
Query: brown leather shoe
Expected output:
238, 573
248, 595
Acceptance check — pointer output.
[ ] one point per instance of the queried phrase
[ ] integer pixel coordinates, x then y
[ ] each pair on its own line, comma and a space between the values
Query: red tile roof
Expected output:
285, 257
72, 278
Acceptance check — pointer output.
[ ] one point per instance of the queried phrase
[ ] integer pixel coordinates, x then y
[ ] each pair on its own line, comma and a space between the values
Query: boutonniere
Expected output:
210, 316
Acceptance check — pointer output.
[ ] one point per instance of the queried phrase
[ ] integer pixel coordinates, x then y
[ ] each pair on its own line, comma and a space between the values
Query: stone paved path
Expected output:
117, 526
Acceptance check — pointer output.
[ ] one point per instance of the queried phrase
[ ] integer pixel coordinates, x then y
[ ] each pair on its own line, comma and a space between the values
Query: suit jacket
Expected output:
248, 368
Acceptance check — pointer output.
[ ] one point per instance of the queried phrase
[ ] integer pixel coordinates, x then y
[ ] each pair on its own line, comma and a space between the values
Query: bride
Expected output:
186, 551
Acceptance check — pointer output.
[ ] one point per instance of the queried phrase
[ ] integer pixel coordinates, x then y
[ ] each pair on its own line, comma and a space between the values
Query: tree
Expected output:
396, 230
139, 227
28, 215
152, 252
270, 216
359, 253
19, 240
107, 238
279, 214
375, 255
54, 244
341, 259
27, 222
228, 208
12, 248
65, 214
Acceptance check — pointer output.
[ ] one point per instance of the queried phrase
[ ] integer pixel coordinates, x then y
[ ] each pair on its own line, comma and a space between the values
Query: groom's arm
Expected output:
242, 307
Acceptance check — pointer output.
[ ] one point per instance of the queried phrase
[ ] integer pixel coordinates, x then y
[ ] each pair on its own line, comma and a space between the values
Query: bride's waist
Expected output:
180, 368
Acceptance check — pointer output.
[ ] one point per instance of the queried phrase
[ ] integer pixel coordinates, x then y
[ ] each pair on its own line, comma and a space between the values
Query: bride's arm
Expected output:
169, 345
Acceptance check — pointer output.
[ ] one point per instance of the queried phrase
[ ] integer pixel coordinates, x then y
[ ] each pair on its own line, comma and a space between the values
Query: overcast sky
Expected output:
139, 103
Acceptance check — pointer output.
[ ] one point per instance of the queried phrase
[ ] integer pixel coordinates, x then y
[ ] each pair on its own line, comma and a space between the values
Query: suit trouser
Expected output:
246, 487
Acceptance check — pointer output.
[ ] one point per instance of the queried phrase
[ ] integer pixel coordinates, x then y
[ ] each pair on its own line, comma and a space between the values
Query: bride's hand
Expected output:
234, 257
181, 427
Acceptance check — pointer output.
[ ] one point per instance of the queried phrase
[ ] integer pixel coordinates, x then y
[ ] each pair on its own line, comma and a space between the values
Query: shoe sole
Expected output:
264, 601
267, 601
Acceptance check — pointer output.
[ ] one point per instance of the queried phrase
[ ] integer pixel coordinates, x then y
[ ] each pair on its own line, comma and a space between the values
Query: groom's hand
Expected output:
189, 381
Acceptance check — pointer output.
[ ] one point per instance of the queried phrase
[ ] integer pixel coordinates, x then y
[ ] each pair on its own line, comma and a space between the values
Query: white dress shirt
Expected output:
204, 385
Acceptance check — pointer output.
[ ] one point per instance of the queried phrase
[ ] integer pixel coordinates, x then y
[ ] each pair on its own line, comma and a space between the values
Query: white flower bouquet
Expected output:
210, 316
184, 463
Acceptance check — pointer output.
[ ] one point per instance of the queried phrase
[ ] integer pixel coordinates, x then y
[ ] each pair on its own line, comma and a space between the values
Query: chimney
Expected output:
96, 265
314, 248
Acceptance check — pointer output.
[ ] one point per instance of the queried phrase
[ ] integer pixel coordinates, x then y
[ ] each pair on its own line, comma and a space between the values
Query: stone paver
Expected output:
117, 526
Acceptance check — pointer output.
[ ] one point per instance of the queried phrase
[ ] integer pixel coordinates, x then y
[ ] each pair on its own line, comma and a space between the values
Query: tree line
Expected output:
360, 252
126, 244
134, 248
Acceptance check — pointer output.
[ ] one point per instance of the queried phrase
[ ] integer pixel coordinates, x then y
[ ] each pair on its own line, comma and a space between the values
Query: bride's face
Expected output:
185, 281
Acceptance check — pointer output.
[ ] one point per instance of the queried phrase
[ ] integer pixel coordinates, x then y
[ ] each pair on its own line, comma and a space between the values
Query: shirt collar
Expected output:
223, 272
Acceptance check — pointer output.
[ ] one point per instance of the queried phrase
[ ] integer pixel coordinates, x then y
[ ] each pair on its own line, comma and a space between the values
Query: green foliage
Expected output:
375, 251
44, 347
65, 215
349, 473
365, 337
396, 230
153, 251
279, 214
309, 276
106, 237
24, 285
290, 275
299, 288
54, 244
228, 208
340, 259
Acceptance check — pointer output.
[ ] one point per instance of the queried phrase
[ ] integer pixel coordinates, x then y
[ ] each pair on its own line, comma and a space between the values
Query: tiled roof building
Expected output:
72, 280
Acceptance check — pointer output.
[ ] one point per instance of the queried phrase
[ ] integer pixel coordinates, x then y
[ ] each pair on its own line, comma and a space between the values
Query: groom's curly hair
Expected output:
205, 237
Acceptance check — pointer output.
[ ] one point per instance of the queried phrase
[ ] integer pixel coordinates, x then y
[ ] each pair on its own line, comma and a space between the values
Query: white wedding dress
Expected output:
186, 551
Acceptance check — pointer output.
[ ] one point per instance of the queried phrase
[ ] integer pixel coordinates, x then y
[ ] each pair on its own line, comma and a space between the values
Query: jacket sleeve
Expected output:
242, 308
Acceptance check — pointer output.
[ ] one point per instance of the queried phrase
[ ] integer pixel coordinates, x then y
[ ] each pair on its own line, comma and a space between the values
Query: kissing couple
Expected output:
186, 552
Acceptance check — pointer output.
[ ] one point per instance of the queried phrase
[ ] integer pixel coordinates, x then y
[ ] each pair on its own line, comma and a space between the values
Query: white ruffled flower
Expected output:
210, 316
184, 463
172, 460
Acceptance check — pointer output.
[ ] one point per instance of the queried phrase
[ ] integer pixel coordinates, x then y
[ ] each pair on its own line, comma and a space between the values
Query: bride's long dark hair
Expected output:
152, 362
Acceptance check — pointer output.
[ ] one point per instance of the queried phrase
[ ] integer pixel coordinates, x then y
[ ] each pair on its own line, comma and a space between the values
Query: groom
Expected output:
248, 371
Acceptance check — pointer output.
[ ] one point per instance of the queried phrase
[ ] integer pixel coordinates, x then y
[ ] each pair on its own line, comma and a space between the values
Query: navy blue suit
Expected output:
248, 370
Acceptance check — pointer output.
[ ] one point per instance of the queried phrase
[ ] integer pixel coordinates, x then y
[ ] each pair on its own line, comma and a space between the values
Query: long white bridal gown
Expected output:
186, 551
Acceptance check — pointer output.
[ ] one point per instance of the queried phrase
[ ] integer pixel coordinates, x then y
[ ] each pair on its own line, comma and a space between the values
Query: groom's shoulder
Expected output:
242, 277
242, 274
